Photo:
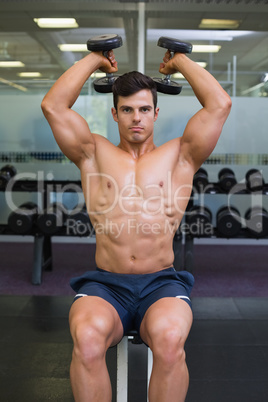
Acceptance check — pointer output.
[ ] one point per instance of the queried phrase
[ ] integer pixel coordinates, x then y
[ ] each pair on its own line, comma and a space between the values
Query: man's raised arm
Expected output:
70, 130
204, 128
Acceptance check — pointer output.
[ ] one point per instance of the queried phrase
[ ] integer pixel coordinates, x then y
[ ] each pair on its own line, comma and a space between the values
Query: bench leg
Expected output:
149, 368
122, 370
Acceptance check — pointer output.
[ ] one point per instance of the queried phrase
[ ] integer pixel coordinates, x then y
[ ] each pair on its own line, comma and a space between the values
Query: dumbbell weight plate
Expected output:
254, 180
200, 180
228, 222
20, 223
47, 223
104, 42
170, 88
6, 173
174, 45
227, 179
199, 220
51, 221
83, 225
257, 222
104, 85
21, 220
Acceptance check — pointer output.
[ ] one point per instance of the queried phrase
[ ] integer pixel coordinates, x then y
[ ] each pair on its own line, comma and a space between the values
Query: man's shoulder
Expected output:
172, 146
103, 141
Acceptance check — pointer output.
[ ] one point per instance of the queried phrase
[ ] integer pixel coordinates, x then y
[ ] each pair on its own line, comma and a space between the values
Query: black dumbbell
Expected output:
257, 221
199, 221
254, 180
227, 179
22, 219
228, 222
165, 85
52, 219
200, 180
6, 173
104, 43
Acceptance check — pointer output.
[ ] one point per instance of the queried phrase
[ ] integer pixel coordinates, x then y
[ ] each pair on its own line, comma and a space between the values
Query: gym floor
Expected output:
227, 351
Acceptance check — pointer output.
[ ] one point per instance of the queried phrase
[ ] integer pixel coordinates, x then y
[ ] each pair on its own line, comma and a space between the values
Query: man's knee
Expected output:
167, 344
90, 341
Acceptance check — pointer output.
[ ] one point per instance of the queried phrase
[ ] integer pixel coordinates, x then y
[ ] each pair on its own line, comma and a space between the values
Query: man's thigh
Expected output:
95, 312
166, 313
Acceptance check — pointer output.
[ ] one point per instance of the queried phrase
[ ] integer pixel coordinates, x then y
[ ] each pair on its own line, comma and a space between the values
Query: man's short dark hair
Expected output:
131, 83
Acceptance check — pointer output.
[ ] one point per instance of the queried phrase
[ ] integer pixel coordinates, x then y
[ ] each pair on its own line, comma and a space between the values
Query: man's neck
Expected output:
136, 150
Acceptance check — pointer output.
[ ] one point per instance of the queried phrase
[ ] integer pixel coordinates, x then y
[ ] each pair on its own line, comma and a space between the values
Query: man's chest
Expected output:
141, 188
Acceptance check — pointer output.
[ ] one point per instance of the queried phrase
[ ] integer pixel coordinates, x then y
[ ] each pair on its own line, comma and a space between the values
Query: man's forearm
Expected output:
206, 88
67, 88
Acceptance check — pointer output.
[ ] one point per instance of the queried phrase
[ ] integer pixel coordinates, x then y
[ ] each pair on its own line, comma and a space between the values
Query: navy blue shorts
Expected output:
132, 294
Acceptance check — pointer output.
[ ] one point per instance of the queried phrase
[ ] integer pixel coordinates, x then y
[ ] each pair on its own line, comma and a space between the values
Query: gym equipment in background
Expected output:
21, 220
200, 180
228, 222
6, 173
254, 180
199, 221
227, 179
52, 219
257, 222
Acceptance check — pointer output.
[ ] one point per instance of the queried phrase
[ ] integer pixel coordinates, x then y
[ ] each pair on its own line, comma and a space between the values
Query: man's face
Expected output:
135, 116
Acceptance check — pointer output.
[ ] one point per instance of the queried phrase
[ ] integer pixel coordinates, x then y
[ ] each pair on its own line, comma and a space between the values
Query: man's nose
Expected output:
136, 116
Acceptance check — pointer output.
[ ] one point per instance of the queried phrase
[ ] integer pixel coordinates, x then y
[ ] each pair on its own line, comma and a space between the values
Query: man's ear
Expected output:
156, 113
114, 113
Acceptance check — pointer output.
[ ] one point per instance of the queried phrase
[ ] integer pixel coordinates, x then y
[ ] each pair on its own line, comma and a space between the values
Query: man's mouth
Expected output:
136, 128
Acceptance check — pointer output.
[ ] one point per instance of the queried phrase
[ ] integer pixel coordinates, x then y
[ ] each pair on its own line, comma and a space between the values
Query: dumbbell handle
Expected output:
167, 77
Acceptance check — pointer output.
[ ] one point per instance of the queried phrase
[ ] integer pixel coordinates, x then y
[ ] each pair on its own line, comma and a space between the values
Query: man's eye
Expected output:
145, 109
126, 110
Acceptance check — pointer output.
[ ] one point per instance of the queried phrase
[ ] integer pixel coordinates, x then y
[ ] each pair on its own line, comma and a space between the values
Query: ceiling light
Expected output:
12, 84
219, 24
68, 47
202, 64
56, 22
178, 76
29, 74
98, 75
11, 64
193, 35
206, 48
264, 78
